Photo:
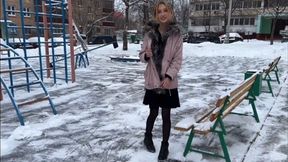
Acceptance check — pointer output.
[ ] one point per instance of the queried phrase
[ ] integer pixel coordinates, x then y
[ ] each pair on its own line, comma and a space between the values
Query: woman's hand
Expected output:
165, 83
148, 52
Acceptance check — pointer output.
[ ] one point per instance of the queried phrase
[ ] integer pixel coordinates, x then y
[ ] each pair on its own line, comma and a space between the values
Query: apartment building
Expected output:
85, 14
250, 18
13, 16
94, 17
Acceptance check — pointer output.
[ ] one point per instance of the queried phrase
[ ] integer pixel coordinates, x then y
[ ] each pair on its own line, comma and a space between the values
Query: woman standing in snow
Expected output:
162, 51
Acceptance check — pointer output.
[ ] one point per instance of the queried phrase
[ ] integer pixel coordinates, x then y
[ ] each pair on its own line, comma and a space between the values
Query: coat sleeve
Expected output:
146, 44
176, 61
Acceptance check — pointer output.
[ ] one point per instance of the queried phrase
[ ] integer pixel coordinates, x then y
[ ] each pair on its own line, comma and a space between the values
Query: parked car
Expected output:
19, 43
233, 37
204, 37
34, 41
57, 41
102, 39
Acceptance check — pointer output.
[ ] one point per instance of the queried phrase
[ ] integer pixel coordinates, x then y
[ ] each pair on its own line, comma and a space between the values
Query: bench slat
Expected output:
271, 66
185, 124
234, 104
236, 96
243, 84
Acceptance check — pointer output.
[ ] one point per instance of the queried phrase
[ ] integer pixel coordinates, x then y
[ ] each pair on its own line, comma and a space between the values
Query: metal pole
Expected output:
70, 29
64, 14
37, 7
46, 35
21, 4
228, 23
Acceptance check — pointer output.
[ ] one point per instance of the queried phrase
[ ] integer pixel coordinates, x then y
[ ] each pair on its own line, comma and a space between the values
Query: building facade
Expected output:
250, 18
94, 17
14, 17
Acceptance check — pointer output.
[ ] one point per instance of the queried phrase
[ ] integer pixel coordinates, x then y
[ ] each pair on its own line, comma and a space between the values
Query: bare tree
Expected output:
128, 4
225, 7
181, 8
87, 18
275, 8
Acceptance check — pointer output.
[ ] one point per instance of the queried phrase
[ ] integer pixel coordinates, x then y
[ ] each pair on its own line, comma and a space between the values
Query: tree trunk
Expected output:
125, 41
274, 20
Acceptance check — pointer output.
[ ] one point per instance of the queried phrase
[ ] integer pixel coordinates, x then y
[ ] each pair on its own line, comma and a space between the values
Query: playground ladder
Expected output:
14, 71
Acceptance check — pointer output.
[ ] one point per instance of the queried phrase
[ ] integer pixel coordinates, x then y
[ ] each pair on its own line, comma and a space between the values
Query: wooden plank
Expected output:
233, 105
4, 49
272, 66
240, 87
220, 101
236, 96
15, 70
33, 101
185, 124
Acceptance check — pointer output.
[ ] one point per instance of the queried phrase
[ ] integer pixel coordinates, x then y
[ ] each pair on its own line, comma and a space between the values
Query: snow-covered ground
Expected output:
101, 117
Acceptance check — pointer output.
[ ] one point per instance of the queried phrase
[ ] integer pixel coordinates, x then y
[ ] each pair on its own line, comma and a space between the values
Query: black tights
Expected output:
166, 125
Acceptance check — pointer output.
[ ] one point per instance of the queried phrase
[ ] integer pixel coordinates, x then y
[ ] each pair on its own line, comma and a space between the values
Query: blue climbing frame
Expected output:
52, 21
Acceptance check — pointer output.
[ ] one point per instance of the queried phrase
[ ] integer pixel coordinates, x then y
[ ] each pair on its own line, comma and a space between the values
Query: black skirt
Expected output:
169, 98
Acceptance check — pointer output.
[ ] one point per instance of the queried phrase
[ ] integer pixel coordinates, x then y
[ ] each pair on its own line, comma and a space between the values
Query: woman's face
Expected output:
163, 14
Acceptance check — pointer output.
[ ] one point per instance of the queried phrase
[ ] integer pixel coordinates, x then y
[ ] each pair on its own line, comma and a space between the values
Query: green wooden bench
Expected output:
272, 67
212, 121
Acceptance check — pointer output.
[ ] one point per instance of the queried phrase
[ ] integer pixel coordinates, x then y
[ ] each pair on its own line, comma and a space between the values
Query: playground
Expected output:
64, 101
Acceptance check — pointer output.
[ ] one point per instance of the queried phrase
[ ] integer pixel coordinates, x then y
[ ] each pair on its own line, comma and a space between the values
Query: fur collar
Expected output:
152, 28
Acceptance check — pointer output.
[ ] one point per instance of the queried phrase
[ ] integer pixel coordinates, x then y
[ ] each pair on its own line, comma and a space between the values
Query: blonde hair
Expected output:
169, 7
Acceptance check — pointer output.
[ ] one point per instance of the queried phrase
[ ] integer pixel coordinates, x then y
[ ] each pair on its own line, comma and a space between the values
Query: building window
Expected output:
236, 21
12, 28
198, 7
207, 7
26, 12
247, 4
215, 6
28, 30
97, 4
246, 21
239, 4
241, 22
80, 2
252, 21
89, 10
108, 31
11, 11
256, 4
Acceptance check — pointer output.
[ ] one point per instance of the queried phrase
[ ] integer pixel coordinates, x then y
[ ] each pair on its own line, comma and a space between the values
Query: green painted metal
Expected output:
222, 132
224, 147
189, 142
257, 86
208, 153
276, 73
272, 67
268, 79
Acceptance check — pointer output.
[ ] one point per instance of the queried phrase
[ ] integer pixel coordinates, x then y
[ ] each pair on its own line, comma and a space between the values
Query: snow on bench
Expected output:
212, 121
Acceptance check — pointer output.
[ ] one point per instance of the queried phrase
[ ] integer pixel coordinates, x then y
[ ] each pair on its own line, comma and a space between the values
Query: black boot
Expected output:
163, 154
148, 142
